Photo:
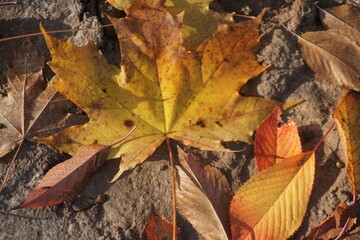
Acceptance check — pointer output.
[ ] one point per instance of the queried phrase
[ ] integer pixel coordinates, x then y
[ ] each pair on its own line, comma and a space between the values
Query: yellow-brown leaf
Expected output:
347, 118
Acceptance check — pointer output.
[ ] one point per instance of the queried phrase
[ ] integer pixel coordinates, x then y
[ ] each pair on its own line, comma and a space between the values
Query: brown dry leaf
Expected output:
203, 196
31, 108
343, 19
272, 204
158, 228
347, 118
332, 55
276, 140
331, 227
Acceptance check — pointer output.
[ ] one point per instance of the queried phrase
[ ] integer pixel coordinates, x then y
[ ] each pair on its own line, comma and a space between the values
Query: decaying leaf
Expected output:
272, 204
158, 228
31, 108
276, 140
164, 90
334, 54
331, 227
203, 196
66, 179
347, 118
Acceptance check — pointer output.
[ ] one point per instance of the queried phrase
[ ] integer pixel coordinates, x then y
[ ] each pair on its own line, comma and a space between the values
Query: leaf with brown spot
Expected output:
276, 140
166, 91
334, 54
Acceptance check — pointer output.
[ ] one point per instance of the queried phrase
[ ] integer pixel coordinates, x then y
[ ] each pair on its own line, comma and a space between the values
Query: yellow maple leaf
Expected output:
166, 91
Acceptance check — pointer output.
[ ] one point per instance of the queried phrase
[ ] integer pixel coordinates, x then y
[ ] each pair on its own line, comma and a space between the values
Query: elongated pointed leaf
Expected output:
66, 179
347, 118
333, 57
276, 140
272, 204
343, 19
203, 196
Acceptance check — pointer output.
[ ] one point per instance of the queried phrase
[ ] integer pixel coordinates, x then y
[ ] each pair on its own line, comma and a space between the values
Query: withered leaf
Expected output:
331, 227
334, 54
158, 228
31, 108
203, 196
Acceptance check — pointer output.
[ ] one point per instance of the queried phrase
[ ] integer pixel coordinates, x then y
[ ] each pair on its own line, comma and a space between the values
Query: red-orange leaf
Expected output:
276, 140
66, 179
158, 228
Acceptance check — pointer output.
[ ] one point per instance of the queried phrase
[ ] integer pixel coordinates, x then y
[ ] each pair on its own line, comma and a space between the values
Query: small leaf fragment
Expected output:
331, 227
276, 140
202, 196
347, 118
158, 228
272, 204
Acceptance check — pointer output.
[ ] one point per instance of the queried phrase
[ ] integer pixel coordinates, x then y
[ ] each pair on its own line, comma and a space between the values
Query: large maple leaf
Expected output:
166, 91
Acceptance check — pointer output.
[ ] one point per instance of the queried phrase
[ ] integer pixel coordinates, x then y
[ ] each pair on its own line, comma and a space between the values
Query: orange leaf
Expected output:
272, 204
158, 228
275, 140
333, 225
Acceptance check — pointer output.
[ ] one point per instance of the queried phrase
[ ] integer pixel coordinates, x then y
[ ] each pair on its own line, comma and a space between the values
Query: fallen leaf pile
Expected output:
182, 67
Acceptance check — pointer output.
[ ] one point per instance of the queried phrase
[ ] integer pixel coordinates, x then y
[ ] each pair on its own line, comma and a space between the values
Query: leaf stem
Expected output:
124, 137
50, 32
10, 166
172, 187
323, 138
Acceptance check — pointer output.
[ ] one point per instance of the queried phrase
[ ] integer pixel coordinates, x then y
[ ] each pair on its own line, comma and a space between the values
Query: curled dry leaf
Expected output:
203, 196
158, 228
165, 90
347, 118
276, 140
272, 204
31, 108
334, 54
331, 227
66, 179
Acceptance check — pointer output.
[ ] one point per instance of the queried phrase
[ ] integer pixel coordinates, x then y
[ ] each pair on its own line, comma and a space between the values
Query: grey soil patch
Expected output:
129, 200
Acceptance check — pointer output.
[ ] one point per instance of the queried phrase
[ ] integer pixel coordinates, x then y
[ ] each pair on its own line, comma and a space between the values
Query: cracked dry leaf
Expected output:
31, 108
272, 204
199, 20
202, 196
335, 54
347, 118
276, 140
166, 91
